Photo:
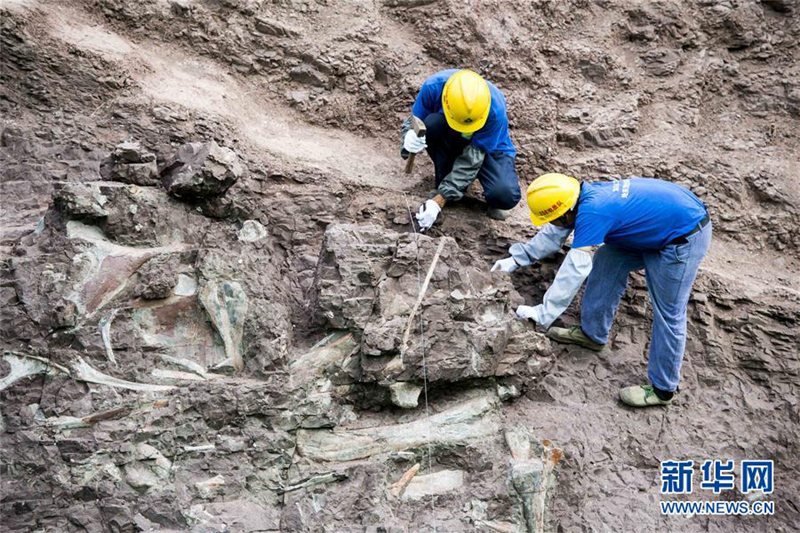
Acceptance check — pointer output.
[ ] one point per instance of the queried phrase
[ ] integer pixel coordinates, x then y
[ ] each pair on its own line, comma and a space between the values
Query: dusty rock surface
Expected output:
207, 266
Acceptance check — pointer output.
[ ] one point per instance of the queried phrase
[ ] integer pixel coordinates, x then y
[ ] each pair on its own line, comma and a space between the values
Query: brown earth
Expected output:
248, 321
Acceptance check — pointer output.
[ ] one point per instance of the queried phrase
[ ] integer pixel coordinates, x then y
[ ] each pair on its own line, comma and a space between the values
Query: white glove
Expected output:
412, 143
505, 265
427, 214
534, 313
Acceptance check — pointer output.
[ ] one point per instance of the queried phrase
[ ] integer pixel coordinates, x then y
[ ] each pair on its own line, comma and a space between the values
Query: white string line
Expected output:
424, 362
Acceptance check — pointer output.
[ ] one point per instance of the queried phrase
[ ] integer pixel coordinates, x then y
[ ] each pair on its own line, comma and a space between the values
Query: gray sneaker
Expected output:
498, 214
641, 396
574, 335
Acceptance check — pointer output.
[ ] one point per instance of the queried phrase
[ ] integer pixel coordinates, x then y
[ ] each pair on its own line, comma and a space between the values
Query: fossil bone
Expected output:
469, 420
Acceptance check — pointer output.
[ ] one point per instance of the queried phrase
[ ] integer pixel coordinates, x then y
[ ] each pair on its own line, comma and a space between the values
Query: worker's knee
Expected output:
502, 195
500, 182
435, 125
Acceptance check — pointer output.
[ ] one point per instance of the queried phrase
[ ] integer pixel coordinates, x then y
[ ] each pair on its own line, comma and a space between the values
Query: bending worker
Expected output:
641, 223
467, 138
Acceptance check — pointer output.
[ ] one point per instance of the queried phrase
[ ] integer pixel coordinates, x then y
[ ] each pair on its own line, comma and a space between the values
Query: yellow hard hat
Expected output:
466, 101
552, 195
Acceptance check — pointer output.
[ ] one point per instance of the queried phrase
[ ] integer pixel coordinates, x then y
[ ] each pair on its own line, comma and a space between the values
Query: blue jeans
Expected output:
670, 273
497, 173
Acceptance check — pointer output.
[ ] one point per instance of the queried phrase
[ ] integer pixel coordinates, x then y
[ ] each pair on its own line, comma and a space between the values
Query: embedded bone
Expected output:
186, 364
105, 333
532, 477
85, 372
23, 366
332, 349
20, 369
226, 304
469, 420
320, 479
440, 482
397, 488
174, 376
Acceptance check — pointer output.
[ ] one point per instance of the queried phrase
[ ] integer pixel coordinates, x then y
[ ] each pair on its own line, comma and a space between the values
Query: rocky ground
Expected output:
215, 311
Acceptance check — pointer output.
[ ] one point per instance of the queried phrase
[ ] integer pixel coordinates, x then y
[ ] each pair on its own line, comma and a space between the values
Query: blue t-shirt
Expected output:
492, 137
635, 213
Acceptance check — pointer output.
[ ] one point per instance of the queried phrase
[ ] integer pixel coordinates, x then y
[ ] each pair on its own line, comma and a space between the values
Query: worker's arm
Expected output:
570, 276
545, 243
465, 170
548, 241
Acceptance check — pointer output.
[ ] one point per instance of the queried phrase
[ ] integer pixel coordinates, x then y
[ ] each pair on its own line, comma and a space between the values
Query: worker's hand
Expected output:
427, 214
532, 312
412, 143
505, 265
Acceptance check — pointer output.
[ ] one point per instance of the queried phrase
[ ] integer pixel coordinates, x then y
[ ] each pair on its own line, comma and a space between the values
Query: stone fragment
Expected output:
130, 163
661, 62
140, 477
156, 277
272, 27
180, 8
299, 97
210, 487
252, 231
201, 170
404, 394
308, 75
507, 392
80, 201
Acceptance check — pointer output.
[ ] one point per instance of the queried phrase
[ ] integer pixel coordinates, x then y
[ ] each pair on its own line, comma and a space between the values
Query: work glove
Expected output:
427, 214
532, 312
505, 265
412, 143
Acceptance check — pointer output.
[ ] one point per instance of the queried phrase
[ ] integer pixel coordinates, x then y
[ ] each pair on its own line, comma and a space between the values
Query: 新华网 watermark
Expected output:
717, 476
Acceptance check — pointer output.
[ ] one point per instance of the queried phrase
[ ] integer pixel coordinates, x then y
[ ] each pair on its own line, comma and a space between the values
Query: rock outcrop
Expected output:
129, 163
411, 298
201, 170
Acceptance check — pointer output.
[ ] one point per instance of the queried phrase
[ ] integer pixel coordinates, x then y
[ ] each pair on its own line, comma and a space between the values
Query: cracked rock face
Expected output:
369, 282
130, 163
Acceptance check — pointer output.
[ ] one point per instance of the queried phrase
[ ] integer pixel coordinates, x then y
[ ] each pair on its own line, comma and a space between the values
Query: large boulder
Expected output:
372, 282
202, 170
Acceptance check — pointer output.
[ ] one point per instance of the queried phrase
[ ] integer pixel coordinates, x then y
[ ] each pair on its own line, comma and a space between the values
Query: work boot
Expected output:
498, 214
574, 335
642, 396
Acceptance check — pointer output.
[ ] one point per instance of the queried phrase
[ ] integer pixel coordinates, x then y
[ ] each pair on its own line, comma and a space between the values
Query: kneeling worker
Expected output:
467, 138
641, 223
